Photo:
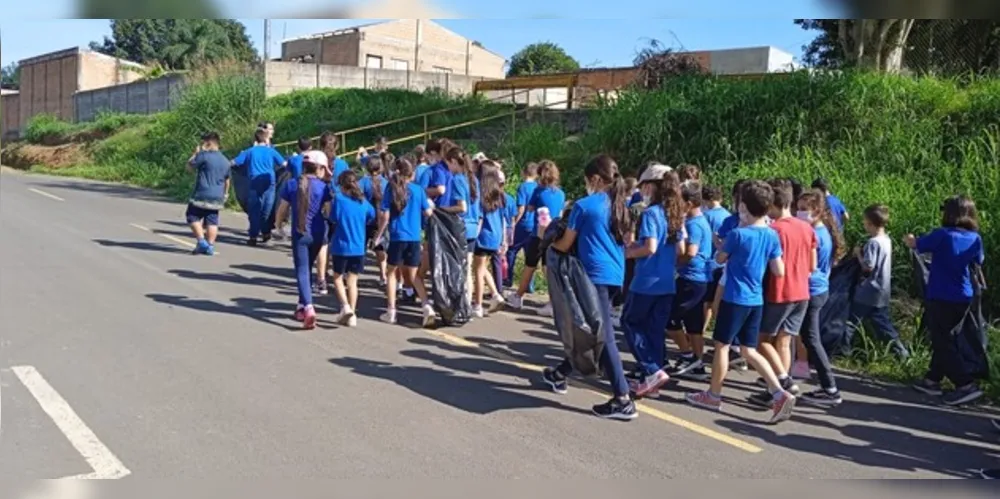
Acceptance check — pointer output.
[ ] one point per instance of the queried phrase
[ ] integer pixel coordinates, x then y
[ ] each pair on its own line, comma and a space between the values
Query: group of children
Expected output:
662, 245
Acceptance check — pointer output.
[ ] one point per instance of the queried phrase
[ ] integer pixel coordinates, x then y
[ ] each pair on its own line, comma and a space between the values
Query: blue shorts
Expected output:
688, 311
470, 245
196, 214
403, 254
738, 322
348, 264
713, 286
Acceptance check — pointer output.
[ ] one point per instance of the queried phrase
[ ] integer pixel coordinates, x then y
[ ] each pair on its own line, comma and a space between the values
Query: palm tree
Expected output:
194, 43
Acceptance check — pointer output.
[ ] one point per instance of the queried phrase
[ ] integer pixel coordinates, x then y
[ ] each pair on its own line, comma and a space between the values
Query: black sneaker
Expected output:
555, 380
685, 364
928, 387
788, 384
762, 399
736, 361
822, 398
614, 409
252, 241
964, 395
266, 238
696, 374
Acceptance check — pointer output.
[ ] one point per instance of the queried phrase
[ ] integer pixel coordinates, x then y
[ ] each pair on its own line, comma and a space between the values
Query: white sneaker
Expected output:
545, 311
477, 311
496, 304
352, 321
346, 315
389, 316
514, 301
429, 315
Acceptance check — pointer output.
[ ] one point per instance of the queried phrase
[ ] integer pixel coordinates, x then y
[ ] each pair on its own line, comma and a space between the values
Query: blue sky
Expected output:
701, 25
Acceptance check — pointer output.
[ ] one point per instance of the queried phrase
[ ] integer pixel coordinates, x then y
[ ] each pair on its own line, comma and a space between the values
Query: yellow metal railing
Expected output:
342, 134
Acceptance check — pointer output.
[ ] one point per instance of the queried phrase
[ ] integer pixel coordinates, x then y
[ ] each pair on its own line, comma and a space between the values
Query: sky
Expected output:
503, 27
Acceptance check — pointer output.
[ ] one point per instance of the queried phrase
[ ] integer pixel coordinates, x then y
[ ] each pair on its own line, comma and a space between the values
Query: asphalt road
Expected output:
121, 355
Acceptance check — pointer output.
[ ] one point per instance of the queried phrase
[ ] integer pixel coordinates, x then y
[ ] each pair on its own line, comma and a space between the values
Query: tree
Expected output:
177, 43
657, 62
10, 76
148, 9
541, 58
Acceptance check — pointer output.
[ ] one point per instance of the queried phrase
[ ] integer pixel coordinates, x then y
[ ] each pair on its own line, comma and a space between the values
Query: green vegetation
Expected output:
47, 129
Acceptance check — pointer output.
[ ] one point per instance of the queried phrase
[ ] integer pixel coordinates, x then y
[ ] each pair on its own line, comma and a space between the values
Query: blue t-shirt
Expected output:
459, 190
749, 250
350, 217
435, 176
211, 171
837, 208
699, 268
524, 195
319, 193
367, 185
655, 274
295, 165
636, 198
550, 197
715, 218
420, 171
952, 250
339, 166
260, 160
406, 226
600, 254
509, 209
491, 236
728, 225
819, 279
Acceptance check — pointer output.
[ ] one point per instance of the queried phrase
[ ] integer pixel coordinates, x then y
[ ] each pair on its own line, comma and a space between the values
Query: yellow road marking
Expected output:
43, 193
655, 413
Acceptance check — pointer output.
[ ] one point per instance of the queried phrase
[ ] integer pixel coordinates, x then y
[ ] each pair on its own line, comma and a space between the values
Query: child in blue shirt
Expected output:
373, 186
651, 292
308, 199
748, 252
462, 198
211, 189
547, 200
489, 240
600, 225
687, 320
833, 203
260, 160
350, 214
404, 207
524, 225
954, 248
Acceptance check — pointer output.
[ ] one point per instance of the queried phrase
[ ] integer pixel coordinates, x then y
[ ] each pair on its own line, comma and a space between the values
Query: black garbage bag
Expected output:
576, 308
283, 176
970, 336
835, 334
447, 248
241, 185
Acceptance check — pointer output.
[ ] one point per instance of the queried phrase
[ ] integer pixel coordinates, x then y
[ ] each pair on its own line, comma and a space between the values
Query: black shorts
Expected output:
484, 252
713, 286
196, 214
688, 311
348, 265
403, 254
470, 245
533, 252
370, 232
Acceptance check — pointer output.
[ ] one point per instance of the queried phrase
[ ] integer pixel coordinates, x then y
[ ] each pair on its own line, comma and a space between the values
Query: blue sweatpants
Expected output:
260, 203
644, 322
521, 238
305, 249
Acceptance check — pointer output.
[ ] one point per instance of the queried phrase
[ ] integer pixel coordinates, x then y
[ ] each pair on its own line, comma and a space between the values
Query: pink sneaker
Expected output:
309, 318
300, 313
782, 407
705, 400
651, 384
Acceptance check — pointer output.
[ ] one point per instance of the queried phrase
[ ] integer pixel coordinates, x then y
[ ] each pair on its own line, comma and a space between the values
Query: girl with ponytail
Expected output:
308, 199
600, 227
373, 186
350, 215
462, 198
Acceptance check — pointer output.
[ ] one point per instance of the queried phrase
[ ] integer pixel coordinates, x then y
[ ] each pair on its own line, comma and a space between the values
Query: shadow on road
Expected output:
470, 394
272, 313
142, 246
115, 190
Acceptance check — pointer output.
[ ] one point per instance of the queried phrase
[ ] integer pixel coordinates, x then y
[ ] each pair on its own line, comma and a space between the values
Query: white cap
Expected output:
655, 171
317, 158
480, 157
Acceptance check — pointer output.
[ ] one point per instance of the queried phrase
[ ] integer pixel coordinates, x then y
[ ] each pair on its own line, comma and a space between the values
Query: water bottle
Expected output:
544, 219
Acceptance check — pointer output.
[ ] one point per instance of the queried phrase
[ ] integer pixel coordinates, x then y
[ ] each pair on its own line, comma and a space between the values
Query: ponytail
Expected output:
348, 183
398, 185
605, 168
302, 196
457, 155
375, 167
670, 196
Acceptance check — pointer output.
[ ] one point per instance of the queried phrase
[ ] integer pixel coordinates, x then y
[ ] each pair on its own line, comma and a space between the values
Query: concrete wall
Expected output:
142, 97
550, 98
47, 85
341, 49
10, 110
284, 77
98, 70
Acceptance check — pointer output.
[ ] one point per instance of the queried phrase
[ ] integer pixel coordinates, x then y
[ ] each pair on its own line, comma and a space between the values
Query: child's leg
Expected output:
300, 258
382, 267
886, 331
774, 315
212, 228
727, 326
197, 230
341, 290
390, 288
321, 265
418, 284
720, 368
479, 266
610, 358
494, 278
748, 348
352, 289
810, 337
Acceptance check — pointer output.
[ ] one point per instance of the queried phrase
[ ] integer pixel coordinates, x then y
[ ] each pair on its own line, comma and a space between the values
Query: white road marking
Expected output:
177, 240
105, 465
43, 193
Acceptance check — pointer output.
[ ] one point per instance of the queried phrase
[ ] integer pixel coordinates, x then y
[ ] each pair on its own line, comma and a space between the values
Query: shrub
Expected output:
47, 129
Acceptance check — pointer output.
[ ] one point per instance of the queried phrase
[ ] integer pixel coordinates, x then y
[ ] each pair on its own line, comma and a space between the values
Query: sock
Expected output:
688, 355
782, 377
831, 391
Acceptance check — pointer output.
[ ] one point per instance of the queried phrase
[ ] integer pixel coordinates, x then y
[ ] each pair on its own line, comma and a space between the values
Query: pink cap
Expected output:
317, 158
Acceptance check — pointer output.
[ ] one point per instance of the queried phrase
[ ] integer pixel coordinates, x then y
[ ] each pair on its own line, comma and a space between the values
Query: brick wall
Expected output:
10, 109
439, 49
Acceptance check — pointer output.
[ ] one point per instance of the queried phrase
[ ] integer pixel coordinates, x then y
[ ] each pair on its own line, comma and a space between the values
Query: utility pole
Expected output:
267, 40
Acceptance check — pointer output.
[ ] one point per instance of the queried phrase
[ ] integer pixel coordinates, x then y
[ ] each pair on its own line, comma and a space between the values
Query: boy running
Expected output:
211, 188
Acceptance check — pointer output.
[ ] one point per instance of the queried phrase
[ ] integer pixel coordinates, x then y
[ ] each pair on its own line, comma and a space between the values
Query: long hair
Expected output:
329, 144
960, 212
348, 183
689, 172
375, 173
309, 170
548, 174
605, 168
493, 198
815, 201
668, 194
398, 185
457, 155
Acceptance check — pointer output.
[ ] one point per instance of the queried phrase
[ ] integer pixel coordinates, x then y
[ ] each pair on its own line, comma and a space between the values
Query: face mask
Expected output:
804, 215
